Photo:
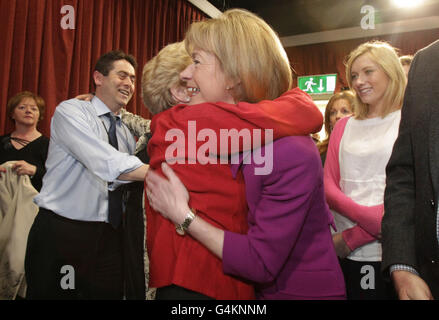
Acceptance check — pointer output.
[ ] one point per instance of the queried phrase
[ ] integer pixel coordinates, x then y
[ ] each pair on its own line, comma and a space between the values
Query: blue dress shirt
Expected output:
81, 165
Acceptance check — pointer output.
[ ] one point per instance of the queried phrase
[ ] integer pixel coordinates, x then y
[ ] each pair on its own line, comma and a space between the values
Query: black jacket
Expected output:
409, 234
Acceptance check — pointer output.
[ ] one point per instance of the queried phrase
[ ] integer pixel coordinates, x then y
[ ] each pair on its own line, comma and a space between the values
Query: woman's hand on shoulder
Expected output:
85, 97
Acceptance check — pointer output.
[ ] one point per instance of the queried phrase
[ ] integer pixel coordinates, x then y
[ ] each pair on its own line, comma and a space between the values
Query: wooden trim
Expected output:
426, 23
206, 7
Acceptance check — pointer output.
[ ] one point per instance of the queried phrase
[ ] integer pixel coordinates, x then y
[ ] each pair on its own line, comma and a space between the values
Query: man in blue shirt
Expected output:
74, 248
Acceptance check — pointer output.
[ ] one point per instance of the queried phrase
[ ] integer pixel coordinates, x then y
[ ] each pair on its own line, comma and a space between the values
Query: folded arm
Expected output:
293, 113
368, 218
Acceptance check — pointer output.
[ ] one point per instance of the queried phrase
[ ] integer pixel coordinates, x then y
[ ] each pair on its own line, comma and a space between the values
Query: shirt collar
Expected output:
100, 107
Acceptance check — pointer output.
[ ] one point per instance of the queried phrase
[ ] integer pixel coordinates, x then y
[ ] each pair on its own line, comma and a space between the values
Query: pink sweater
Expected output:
368, 219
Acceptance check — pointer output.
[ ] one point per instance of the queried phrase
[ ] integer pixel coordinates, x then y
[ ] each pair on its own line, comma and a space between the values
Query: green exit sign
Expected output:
324, 83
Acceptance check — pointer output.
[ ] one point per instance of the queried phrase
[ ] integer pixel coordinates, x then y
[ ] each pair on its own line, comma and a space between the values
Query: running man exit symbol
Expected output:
318, 84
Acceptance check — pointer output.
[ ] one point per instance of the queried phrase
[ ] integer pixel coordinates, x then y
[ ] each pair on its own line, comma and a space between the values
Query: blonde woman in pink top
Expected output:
354, 173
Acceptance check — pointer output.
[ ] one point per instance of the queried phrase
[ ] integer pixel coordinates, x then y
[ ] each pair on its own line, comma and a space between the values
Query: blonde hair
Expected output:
385, 56
406, 60
347, 95
249, 52
162, 73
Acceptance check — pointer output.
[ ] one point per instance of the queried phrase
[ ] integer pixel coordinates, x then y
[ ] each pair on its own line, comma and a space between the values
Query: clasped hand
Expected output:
22, 168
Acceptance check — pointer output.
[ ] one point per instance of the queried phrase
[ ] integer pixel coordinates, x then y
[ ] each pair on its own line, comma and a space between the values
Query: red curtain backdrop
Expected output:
325, 58
39, 55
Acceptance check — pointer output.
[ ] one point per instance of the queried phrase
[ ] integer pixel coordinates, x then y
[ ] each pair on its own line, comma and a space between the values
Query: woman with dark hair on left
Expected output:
25, 145
23, 154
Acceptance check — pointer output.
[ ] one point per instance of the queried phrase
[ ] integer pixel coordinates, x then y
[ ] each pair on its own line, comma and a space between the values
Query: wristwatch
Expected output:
182, 228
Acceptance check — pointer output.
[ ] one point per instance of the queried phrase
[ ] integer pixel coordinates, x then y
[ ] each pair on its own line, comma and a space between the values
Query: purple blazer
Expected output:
288, 250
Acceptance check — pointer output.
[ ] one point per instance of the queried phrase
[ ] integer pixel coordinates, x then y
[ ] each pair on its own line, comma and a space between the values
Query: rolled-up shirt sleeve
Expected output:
73, 130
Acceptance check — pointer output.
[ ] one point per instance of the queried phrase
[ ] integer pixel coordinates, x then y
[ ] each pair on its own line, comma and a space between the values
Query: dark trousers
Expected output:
134, 244
134, 238
364, 281
174, 292
70, 259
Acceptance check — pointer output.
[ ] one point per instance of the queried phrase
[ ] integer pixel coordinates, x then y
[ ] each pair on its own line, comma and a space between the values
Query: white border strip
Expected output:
357, 32
206, 7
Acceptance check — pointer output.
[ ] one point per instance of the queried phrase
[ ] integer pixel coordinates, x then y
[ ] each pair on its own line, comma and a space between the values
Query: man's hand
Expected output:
409, 286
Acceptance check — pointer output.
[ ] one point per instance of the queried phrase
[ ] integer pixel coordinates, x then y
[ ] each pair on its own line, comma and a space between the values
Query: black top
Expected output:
34, 153
323, 157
